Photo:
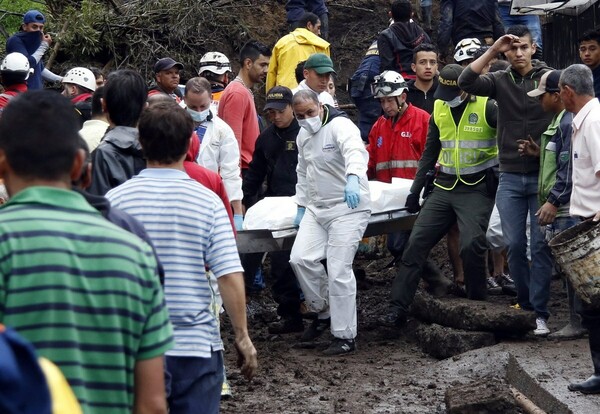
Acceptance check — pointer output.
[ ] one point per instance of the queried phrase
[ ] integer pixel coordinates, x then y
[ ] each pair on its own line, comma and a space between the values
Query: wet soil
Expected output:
389, 373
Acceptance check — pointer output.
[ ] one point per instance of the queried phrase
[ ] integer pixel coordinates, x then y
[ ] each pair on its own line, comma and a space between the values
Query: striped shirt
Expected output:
83, 291
190, 230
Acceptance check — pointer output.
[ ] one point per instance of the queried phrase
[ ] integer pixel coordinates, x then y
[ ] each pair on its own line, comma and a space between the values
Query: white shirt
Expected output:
324, 97
219, 152
585, 198
93, 131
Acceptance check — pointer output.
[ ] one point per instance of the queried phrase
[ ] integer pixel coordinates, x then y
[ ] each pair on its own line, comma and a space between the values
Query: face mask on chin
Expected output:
198, 116
312, 125
456, 101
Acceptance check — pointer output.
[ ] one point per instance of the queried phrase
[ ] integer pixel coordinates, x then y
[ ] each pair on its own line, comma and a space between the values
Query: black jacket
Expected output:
275, 158
420, 99
462, 19
396, 44
117, 159
519, 115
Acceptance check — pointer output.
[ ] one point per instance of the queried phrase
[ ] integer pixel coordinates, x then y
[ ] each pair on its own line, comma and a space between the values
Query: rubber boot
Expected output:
573, 329
592, 384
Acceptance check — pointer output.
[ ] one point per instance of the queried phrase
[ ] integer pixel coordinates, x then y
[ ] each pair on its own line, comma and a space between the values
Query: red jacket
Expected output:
10, 92
206, 177
394, 151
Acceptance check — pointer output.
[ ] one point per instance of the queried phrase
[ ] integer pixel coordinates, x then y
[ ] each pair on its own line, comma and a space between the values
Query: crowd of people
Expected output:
118, 234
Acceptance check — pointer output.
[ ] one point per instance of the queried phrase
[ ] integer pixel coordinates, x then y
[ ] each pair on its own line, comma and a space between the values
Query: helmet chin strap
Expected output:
400, 107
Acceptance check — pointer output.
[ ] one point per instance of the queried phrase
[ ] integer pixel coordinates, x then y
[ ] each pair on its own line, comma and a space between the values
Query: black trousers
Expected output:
471, 207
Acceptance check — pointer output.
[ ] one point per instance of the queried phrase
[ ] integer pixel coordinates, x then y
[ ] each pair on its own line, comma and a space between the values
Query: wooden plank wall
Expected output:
560, 34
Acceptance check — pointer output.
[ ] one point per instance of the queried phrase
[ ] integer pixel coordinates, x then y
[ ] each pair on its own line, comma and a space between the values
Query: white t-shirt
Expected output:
585, 198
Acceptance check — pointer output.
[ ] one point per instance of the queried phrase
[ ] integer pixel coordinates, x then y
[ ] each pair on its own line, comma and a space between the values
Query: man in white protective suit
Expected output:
333, 211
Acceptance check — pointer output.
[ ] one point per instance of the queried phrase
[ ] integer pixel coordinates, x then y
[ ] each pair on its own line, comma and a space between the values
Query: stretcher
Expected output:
262, 241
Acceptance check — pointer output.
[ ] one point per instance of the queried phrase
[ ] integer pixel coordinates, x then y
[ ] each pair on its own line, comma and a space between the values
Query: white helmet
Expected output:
465, 49
214, 62
16, 62
82, 77
389, 83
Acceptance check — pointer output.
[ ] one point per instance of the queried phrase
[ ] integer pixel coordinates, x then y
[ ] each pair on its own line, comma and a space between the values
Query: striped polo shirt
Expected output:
83, 291
190, 230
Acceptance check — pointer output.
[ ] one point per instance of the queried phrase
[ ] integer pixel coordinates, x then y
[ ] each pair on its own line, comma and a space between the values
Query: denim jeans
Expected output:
516, 198
559, 225
531, 21
194, 384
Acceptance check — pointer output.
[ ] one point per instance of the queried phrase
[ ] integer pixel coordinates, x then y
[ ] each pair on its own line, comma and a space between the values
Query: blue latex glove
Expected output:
238, 220
352, 191
299, 216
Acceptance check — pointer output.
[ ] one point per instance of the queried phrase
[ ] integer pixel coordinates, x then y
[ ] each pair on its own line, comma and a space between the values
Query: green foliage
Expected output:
11, 12
80, 29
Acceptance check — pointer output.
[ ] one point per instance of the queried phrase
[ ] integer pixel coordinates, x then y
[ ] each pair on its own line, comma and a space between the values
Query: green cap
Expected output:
320, 63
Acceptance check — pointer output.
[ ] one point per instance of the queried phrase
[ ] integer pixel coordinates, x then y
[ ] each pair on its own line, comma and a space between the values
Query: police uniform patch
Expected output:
379, 141
473, 118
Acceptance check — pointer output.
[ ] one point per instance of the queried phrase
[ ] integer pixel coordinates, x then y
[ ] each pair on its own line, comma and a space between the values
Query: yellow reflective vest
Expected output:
469, 147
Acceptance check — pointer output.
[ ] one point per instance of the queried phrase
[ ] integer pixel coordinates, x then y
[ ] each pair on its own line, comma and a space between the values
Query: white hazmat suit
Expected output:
330, 229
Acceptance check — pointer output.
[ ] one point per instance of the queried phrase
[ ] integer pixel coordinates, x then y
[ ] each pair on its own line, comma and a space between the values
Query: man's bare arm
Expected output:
233, 293
149, 387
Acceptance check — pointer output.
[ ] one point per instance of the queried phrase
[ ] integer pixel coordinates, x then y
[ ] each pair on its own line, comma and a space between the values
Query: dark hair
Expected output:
401, 10
498, 66
212, 77
125, 96
590, 35
424, 47
165, 131
198, 85
12, 78
519, 30
97, 101
299, 71
97, 72
87, 160
252, 50
306, 18
32, 148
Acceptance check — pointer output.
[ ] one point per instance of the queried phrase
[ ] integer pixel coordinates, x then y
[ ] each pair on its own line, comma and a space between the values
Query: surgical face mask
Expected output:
312, 125
455, 102
198, 116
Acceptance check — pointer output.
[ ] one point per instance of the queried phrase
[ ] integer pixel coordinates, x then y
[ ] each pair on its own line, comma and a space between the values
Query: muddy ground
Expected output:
389, 373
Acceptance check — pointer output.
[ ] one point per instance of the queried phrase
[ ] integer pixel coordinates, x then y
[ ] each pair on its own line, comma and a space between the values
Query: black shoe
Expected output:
458, 290
340, 346
440, 287
493, 288
589, 386
316, 329
286, 325
392, 319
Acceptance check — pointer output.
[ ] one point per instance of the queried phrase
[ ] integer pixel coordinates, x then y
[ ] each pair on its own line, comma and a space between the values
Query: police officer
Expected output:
461, 139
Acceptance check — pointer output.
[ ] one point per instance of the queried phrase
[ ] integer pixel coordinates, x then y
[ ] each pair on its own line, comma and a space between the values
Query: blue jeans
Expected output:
559, 225
193, 382
515, 199
531, 21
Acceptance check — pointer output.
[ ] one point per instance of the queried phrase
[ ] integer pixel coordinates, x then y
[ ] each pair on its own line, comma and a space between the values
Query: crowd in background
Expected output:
118, 234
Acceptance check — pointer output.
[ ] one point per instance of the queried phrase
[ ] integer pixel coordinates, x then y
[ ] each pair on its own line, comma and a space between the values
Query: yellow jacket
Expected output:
291, 49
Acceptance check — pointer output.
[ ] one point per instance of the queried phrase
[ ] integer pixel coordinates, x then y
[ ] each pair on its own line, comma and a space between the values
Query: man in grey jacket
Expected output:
519, 117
